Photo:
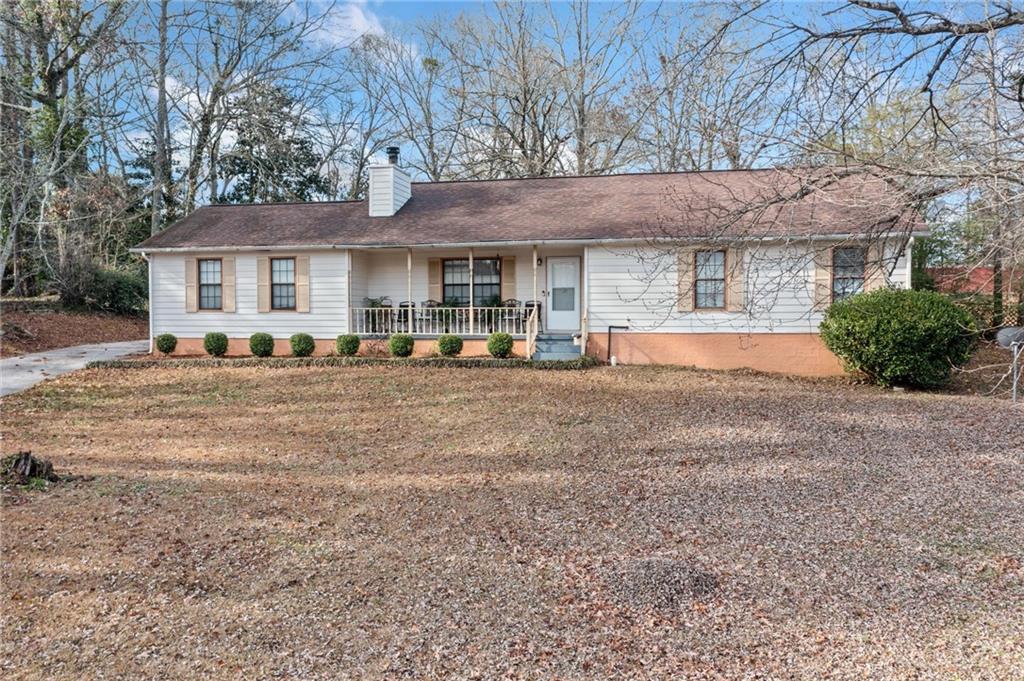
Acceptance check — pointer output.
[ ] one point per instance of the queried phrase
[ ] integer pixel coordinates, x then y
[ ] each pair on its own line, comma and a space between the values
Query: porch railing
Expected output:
532, 329
435, 321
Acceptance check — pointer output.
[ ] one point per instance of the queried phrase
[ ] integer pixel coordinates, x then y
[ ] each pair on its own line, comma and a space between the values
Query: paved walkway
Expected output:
21, 373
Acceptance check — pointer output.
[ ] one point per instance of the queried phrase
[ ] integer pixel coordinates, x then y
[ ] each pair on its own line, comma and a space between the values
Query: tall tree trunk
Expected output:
997, 231
160, 133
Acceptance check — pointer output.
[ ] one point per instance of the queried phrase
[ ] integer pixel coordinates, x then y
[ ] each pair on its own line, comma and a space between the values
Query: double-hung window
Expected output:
847, 272
486, 282
282, 283
210, 284
709, 282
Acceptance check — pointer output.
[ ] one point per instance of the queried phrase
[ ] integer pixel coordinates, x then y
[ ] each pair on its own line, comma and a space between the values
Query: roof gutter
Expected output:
512, 244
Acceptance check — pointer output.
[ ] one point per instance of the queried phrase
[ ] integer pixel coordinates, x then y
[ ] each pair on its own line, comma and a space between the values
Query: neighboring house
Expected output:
974, 280
563, 264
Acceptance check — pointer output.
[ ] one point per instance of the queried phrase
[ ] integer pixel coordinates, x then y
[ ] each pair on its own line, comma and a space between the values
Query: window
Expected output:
486, 282
282, 283
847, 272
709, 284
209, 285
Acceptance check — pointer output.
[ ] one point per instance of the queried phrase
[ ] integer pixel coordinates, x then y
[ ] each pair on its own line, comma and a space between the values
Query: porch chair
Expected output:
406, 311
425, 320
512, 316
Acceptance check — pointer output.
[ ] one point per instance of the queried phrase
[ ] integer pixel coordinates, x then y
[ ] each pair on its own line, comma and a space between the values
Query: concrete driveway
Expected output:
21, 373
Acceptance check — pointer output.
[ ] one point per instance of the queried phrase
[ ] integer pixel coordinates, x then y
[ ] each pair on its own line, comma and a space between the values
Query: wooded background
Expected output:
119, 118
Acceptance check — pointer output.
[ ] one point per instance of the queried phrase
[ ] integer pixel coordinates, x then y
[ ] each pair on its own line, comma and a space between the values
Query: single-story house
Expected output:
723, 269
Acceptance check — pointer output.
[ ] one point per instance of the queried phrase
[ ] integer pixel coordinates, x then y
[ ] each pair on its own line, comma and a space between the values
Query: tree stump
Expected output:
22, 467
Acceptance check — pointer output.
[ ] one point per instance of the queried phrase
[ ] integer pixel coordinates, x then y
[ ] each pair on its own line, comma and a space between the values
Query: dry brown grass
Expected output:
633, 522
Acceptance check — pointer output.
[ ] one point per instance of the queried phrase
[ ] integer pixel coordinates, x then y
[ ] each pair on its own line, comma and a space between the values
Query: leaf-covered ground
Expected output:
28, 332
495, 523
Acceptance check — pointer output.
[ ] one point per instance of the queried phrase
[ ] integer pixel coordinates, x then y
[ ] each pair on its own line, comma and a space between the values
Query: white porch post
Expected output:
472, 315
535, 300
408, 288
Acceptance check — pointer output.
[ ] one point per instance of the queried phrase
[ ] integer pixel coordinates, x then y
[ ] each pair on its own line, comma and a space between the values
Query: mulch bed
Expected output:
25, 332
584, 362
629, 522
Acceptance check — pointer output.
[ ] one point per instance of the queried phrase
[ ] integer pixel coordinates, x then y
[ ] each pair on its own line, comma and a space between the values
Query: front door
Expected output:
563, 293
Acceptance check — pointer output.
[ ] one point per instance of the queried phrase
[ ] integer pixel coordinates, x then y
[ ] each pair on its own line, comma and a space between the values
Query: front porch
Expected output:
427, 292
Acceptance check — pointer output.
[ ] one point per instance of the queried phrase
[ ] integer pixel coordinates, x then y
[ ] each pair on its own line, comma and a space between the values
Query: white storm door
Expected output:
563, 294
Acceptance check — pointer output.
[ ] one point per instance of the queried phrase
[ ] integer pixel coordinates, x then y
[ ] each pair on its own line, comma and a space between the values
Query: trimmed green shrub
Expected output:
449, 345
302, 344
401, 345
348, 344
215, 344
166, 342
261, 344
499, 345
900, 337
118, 292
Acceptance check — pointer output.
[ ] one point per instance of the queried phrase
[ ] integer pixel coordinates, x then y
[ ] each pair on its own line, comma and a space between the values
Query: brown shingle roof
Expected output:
634, 206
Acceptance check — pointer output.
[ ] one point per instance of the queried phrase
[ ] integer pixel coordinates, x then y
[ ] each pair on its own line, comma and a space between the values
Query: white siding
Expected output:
637, 287
390, 188
328, 304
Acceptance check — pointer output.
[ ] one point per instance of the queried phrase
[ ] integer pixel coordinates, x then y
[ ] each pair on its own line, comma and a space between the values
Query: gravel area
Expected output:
379, 522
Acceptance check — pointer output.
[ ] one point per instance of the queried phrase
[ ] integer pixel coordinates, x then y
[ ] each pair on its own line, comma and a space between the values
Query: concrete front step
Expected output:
556, 346
556, 355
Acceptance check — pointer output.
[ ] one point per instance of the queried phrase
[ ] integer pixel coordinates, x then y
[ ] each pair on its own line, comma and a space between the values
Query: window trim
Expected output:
294, 285
725, 280
832, 270
501, 277
199, 285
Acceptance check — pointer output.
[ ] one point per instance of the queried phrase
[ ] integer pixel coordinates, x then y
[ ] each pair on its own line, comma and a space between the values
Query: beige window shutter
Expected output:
191, 285
434, 279
874, 267
227, 284
822, 278
735, 298
508, 278
684, 269
263, 284
302, 283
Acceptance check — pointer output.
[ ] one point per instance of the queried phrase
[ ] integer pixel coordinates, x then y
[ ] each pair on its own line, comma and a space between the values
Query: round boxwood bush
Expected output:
261, 344
499, 345
166, 342
302, 344
449, 345
401, 345
348, 344
216, 344
900, 337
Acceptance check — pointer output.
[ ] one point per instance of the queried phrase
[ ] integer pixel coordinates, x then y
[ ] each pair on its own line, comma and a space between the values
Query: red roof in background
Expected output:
965, 279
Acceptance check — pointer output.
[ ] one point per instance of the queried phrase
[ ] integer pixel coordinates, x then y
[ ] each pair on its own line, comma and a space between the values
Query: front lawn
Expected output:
383, 522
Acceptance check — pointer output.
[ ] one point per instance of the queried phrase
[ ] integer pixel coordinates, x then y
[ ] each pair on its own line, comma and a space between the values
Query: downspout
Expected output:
149, 301
621, 328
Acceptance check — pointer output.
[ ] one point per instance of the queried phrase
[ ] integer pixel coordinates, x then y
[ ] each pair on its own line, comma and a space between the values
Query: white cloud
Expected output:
347, 22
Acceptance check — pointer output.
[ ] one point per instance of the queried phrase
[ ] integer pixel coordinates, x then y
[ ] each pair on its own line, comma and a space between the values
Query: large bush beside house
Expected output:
215, 344
449, 345
118, 292
348, 344
302, 344
166, 342
499, 345
900, 337
401, 345
261, 344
